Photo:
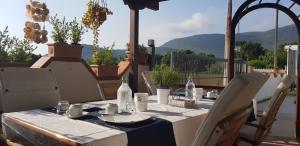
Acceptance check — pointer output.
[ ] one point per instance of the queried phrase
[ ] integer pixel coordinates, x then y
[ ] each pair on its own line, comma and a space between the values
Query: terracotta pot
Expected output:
64, 50
105, 72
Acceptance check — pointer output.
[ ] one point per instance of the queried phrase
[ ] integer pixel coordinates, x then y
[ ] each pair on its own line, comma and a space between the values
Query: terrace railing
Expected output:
205, 71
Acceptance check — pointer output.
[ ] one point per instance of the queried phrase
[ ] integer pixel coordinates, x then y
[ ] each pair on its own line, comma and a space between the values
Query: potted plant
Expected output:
103, 63
77, 31
165, 77
60, 35
94, 17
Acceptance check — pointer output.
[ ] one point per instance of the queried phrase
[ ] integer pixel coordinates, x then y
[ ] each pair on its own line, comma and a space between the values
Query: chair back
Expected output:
149, 83
77, 84
270, 113
235, 97
268, 88
228, 129
26, 89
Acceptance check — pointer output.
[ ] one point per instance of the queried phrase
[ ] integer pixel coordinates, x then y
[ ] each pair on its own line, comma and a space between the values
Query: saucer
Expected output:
105, 113
124, 118
74, 117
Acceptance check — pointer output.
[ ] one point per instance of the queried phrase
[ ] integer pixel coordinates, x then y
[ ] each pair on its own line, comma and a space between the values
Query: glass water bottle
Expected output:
189, 88
124, 96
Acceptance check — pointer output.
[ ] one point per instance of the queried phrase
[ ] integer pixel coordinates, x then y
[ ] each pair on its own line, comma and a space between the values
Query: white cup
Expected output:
141, 101
197, 93
75, 110
210, 94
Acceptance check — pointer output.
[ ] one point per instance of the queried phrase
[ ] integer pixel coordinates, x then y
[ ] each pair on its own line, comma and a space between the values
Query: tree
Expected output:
5, 44
13, 49
257, 64
250, 51
21, 52
266, 60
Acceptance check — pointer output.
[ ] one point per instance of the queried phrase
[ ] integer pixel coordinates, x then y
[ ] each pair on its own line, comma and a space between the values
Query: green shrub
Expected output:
61, 29
165, 76
103, 56
77, 31
257, 64
21, 52
15, 50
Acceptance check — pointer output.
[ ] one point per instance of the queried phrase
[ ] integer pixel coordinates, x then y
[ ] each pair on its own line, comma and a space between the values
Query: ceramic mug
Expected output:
141, 101
75, 110
210, 94
198, 93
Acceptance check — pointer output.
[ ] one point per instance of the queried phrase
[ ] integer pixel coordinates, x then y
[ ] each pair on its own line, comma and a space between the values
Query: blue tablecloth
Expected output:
151, 132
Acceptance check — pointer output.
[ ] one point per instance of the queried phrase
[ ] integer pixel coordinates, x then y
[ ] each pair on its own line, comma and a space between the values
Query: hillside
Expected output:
214, 43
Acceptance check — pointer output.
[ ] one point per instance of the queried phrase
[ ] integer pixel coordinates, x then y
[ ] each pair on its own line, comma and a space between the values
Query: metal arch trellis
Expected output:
248, 7
244, 9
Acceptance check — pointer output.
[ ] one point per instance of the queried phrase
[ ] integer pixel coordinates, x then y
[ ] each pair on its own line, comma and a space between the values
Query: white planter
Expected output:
163, 96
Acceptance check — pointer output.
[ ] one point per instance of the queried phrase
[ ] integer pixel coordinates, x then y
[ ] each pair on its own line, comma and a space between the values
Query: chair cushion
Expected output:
248, 132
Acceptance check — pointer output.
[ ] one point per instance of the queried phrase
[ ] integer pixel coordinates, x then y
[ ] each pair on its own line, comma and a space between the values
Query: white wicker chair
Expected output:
230, 111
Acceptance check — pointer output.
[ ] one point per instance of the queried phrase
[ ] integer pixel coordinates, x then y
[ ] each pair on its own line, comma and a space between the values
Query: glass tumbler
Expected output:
62, 107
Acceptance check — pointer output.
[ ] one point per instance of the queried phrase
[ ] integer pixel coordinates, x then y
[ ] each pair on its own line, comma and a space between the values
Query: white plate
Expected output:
124, 118
74, 117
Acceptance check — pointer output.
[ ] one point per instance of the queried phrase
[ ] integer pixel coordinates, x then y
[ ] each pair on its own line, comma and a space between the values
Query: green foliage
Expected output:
14, 50
103, 56
185, 51
77, 30
250, 51
268, 58
21, 52
215, 69
259, 57
166, 59
5, 44
257, 64
61, 29
165, 76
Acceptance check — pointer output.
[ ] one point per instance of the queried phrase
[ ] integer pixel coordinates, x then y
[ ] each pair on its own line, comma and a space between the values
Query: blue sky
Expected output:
175, 19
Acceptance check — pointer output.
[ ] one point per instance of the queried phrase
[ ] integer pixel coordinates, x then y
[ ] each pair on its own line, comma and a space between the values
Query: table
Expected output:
60, 130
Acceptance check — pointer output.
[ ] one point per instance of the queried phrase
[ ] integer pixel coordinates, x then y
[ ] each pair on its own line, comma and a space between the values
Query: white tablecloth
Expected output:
185, 123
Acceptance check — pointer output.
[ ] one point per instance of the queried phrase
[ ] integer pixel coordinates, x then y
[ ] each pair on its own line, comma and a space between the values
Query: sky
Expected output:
175, 19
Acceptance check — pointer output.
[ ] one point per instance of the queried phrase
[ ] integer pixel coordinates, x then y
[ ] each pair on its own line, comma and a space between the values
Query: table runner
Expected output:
151, 132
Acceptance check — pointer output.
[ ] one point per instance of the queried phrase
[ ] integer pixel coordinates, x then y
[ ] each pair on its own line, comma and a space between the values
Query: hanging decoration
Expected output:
36, 12
94, 17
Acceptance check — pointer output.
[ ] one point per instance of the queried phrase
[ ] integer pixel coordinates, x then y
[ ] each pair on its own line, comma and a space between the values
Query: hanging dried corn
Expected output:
36, 12
94, 17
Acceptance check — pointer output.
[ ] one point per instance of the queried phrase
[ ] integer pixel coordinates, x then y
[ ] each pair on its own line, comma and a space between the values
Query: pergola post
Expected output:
297, 132
135, 6
227, 51
134, 46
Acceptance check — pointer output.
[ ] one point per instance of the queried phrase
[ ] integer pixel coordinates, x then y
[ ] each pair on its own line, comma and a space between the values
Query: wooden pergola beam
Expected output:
135, 6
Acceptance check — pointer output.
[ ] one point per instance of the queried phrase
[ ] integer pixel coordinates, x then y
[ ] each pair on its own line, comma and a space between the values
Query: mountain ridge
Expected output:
214, 43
